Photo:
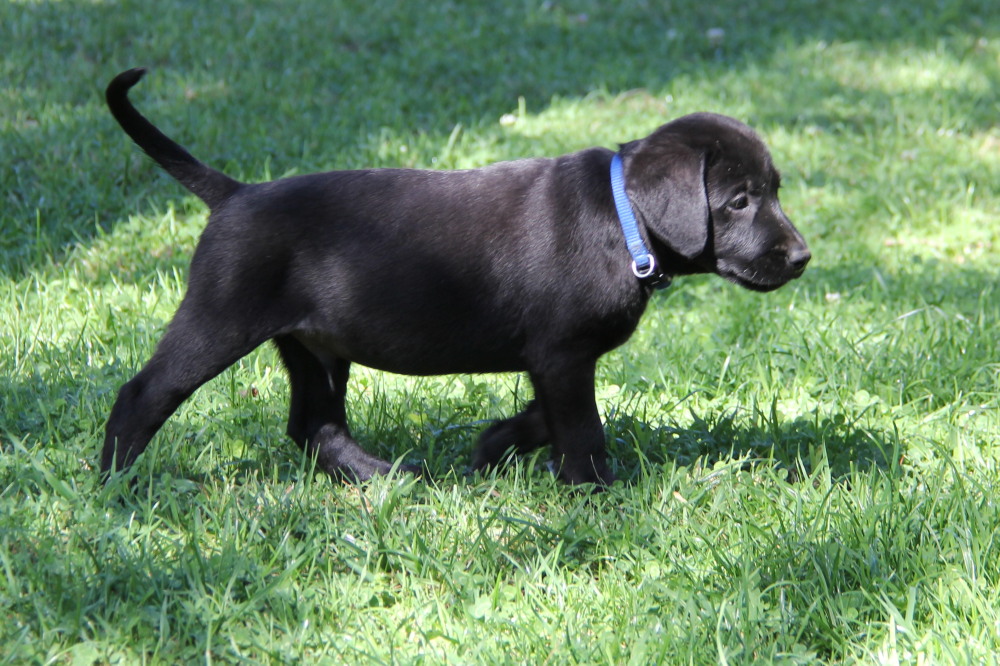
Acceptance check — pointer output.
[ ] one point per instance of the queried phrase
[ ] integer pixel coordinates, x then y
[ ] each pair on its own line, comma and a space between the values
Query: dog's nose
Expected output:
798, 257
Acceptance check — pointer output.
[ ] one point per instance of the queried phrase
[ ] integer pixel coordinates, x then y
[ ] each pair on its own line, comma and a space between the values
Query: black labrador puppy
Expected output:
536, 265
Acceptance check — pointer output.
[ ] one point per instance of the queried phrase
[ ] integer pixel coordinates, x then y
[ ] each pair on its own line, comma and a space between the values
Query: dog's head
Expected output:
704, 186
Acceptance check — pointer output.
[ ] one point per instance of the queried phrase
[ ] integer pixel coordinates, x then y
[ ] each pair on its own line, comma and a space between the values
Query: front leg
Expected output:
523, 433
566, 393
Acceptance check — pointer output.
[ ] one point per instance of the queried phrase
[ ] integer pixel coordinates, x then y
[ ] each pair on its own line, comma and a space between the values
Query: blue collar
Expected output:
643, 262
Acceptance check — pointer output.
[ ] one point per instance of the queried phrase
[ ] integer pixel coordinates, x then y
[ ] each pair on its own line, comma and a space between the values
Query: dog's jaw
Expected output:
750, 278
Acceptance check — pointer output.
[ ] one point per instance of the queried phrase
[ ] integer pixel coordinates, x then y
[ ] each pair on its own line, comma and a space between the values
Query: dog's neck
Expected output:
644, 264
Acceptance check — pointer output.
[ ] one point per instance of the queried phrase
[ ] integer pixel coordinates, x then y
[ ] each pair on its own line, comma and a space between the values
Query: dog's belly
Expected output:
409, 353
405, 313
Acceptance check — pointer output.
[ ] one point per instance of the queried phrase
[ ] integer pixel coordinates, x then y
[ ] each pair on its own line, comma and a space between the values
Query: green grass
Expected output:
809, 475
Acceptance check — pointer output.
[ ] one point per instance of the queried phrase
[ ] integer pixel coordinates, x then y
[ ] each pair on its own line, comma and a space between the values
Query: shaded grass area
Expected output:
809, 475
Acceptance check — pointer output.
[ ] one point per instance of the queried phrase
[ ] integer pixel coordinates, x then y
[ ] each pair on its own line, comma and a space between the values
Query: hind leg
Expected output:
523, 433
194, 350
317, 415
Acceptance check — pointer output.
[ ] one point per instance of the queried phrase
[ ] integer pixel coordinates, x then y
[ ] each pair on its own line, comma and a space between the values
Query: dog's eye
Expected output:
740, 201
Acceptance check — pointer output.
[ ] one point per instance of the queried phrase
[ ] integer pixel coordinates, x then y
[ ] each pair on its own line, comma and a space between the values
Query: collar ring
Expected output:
649, 270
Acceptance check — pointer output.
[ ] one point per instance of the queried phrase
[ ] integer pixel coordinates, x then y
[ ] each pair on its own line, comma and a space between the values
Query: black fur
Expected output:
517, 266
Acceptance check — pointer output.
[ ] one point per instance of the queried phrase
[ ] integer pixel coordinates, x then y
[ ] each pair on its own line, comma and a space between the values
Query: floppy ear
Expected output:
666, 184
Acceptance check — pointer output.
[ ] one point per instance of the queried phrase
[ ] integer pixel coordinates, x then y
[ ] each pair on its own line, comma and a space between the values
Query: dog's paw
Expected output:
419, 471
577, 473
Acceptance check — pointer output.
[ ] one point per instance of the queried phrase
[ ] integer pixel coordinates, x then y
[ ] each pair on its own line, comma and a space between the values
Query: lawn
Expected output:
809, 475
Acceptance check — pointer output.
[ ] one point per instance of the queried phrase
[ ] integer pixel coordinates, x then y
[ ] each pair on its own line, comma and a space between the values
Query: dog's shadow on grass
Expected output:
799, 445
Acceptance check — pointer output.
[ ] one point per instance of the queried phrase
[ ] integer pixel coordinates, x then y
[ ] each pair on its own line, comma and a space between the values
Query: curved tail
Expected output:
211, 186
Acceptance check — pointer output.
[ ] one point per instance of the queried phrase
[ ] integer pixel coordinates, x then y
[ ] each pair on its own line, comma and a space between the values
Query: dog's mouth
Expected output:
755, 280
